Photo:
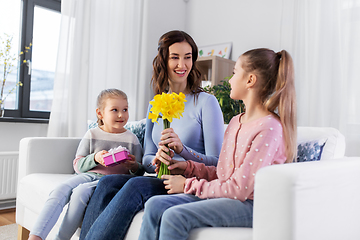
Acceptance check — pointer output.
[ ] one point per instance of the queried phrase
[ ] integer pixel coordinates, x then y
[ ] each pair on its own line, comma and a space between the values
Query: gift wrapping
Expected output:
115, 156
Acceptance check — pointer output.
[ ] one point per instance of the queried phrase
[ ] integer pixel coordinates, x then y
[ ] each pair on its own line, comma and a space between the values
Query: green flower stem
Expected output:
163, 167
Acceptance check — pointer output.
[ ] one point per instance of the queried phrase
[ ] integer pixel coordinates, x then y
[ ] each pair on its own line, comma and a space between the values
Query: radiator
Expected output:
8, 175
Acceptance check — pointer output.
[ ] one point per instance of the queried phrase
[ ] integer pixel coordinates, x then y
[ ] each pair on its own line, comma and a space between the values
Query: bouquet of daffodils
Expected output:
166, 106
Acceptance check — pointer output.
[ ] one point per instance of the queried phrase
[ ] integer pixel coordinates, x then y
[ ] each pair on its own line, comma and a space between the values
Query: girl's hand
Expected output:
177, 167
175, 183
99, 159
131, 164
168, 136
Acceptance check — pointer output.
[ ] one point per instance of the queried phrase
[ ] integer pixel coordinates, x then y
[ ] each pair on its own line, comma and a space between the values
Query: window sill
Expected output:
23, 120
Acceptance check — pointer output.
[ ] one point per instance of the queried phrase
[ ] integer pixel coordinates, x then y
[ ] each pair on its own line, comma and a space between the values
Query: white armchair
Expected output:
311, 200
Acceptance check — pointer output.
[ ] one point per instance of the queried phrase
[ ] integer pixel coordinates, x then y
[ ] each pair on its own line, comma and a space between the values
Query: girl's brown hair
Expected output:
275, 72
160, 75
106, 94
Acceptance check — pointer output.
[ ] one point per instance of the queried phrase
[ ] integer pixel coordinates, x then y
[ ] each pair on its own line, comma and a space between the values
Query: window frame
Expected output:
26, 35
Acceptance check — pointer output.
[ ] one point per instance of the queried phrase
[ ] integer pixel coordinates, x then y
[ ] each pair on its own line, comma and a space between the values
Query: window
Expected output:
39, 22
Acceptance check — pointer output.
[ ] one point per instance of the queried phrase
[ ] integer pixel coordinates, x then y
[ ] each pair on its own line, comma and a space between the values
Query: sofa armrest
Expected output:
46, 155
311, 200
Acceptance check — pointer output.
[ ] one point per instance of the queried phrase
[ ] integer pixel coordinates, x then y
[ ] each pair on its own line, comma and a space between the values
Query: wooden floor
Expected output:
7, 217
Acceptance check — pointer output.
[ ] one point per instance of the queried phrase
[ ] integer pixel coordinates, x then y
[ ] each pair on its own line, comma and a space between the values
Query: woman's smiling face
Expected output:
179, 63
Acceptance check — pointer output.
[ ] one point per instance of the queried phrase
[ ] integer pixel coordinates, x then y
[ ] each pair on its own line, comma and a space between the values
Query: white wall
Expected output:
12, 132
160, 16
247, 24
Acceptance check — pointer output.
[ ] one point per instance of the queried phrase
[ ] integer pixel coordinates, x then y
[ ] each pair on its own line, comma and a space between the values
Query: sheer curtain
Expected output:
323, 37
100, 42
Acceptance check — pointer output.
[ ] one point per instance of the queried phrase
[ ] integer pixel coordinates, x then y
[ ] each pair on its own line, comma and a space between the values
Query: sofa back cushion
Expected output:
324, 142
138, 128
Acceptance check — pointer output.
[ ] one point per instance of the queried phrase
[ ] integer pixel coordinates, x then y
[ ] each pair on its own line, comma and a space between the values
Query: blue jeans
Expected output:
76, 191
173, 216
114, 204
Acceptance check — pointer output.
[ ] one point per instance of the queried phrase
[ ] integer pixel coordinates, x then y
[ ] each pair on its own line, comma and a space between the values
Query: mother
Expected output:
198, 136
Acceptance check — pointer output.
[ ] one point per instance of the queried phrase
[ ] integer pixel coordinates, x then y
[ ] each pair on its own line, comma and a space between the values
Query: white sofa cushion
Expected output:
231, 233
34, 195
33, 191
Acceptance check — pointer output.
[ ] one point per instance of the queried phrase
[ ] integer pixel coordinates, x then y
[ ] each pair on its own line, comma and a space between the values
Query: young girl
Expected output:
112, 114
265, 134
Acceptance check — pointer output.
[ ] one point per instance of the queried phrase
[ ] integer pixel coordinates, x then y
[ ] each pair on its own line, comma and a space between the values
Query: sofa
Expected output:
310, 199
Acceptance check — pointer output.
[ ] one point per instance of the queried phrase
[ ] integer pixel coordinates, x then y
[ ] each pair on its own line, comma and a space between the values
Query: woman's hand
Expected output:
175, 183
168, 136
162, 156
99, 159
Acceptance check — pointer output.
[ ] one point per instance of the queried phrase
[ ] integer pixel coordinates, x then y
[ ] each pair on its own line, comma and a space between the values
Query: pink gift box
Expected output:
116, 156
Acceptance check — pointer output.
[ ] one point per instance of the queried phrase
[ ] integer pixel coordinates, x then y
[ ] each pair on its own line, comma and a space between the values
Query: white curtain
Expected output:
100, 42
323, 38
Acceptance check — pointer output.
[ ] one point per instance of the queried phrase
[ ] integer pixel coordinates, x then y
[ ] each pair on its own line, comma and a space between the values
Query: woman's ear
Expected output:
99, 114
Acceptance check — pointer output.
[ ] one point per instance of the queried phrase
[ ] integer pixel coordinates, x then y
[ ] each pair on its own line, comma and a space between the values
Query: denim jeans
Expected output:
77, 191
114, 204
173, 216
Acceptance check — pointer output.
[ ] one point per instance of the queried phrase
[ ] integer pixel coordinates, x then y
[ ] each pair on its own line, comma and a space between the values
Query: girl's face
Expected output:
179, 64
238, 81
114, 115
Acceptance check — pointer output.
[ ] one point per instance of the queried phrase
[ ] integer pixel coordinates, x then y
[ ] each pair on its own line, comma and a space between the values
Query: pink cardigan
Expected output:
246, 148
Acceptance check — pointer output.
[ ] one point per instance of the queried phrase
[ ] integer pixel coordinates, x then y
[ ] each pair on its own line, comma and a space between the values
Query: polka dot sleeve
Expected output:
245, 150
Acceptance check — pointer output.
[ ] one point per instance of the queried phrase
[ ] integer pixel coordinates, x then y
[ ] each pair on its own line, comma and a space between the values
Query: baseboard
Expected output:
7, 204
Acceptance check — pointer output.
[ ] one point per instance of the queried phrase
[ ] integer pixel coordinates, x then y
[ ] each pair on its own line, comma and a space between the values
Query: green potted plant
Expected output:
229, 107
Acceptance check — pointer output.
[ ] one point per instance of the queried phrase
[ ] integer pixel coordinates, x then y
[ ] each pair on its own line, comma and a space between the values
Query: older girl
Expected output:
264, 135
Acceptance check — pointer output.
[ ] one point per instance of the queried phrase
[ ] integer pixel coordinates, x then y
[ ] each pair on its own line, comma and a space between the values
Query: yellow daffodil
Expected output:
153, 117
166, 106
